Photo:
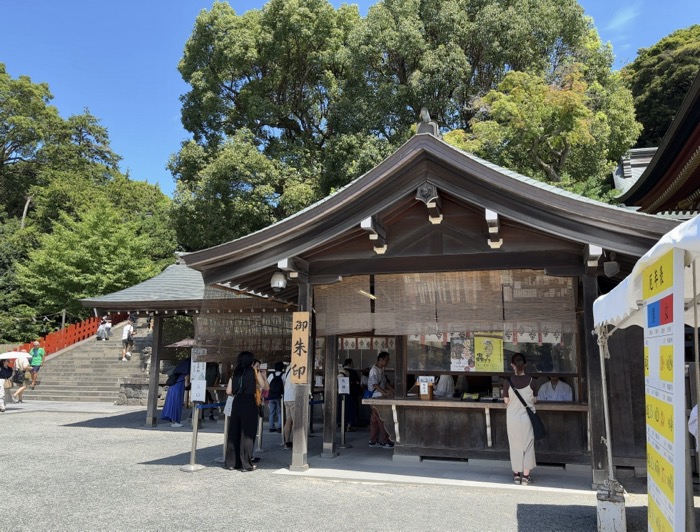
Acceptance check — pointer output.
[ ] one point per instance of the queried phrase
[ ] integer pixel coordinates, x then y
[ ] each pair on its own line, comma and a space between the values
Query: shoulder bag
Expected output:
537, 426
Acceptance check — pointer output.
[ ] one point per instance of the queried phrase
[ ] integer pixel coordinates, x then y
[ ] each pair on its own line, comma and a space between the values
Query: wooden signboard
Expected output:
301, 336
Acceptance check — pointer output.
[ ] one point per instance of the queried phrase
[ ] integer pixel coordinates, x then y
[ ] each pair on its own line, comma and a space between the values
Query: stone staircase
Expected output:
90, 371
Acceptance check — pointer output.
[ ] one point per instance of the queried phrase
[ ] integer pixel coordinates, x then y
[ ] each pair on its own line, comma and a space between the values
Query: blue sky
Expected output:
119, 59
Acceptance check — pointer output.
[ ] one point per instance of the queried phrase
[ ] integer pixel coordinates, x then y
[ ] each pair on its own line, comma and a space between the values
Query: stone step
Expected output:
89, 371
87, 398
116, 367
70, 390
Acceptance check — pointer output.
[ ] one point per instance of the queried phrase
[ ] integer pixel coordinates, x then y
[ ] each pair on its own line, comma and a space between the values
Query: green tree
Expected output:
236, 192
95, 253
557, 133
327, 94
443, 54
53, 171
26, 120
659, 79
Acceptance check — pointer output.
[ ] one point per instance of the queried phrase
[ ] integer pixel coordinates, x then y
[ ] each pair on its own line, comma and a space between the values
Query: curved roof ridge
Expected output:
542, 185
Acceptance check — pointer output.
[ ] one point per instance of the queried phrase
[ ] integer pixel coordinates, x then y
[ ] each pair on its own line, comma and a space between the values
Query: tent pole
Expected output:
611, 496
604, 353
696, 349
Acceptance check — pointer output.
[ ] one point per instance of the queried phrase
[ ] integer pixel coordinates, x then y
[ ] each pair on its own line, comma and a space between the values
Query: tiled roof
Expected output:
177, 284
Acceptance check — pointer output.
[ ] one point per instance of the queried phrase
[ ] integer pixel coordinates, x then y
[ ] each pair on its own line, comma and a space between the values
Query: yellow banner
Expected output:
659, 276
660, 416
301, 335
666, 363
657, 519
661, 471
488, 353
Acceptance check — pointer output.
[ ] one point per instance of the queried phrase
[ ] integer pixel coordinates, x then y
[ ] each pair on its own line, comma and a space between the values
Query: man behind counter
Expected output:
555, 390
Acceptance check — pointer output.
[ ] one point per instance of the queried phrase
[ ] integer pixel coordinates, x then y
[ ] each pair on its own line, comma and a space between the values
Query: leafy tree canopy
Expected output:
96, 252
659, 79
54, 173
327, 94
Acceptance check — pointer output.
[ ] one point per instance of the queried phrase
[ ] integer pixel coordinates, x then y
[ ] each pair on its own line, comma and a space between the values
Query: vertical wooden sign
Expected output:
301, 336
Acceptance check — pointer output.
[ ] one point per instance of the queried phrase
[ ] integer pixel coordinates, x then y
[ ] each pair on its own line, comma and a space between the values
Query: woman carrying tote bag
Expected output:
521, 438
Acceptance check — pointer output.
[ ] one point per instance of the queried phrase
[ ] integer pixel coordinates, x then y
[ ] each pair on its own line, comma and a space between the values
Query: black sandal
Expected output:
516, 478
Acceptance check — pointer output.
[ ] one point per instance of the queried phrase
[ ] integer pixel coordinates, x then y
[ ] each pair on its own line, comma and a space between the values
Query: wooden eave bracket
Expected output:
428, 194
377, 234
591, 256
295, 267
495, 241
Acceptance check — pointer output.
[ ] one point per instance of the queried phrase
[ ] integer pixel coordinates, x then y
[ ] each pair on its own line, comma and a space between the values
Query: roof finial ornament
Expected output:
426, 125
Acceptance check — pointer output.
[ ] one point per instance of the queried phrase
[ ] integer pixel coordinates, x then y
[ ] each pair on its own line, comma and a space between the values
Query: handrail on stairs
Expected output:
72, 334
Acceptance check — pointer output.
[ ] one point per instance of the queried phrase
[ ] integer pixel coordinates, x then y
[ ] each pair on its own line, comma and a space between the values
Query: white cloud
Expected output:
622, 18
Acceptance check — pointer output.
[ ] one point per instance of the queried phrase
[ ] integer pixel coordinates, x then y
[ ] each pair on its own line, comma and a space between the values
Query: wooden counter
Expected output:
450, 428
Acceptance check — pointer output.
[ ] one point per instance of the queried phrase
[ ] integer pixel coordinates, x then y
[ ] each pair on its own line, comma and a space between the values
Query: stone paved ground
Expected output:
96, 467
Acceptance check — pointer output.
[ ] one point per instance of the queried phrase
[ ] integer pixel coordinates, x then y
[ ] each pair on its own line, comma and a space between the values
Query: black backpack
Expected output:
276, 387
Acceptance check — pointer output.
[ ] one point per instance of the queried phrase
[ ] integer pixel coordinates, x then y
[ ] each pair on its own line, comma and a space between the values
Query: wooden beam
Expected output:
300, 424
495, 241
591, 359
295, 266
445, 263
377, 233
330, 397
325, 279
154, 373
591, 256
428, 193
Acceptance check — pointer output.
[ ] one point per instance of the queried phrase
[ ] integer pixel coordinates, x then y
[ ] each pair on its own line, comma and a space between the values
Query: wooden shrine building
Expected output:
452, 264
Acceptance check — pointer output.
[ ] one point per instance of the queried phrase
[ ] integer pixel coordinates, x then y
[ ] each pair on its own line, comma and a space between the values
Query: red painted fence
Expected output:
72, 334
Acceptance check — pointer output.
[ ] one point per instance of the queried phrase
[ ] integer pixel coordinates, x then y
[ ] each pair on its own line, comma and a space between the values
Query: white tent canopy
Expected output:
619, 307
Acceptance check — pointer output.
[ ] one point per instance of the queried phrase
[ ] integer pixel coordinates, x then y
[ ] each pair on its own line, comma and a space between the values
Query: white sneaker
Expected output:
123, 359
177, 425
128, 355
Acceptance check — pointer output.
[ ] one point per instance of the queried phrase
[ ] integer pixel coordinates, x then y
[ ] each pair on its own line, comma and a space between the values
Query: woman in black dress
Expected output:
243, 425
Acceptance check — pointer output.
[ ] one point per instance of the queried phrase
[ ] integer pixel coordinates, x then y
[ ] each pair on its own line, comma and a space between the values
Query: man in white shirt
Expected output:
127, 340
555, 390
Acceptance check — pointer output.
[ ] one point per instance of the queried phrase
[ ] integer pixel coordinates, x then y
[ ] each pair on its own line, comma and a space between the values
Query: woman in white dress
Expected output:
521, 438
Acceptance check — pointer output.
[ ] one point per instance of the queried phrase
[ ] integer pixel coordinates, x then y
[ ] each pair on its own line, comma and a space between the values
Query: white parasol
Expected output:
11, 355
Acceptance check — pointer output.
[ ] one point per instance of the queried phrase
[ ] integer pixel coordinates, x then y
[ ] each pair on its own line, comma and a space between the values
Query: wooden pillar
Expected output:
330, 397
400, 367
594, 380
154, 374
302, 392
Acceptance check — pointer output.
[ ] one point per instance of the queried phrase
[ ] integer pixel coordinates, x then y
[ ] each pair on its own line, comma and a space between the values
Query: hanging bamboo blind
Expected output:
342, 308
229, 323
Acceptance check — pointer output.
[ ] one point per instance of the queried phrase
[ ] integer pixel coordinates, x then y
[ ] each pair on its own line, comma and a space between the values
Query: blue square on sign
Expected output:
654, 314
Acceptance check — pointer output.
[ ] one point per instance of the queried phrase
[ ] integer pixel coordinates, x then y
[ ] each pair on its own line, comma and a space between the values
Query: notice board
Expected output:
664, 361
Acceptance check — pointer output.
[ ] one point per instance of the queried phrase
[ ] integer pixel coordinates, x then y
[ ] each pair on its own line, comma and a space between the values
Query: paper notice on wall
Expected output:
488, 352
343, 385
